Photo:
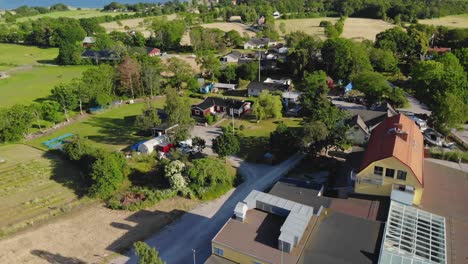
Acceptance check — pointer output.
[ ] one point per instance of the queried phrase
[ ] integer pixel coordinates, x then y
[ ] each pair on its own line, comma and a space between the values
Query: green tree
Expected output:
226, 144
98, 81
146, 254
247, 71
210, 63
178, 113
267, 106
181, 70
199, 143
314, 136
51, 111
208, 172
233, 39
15, 123
229, 73
314, 91
462, 55
173, 172
108, 174
303, 56
167, 34
449, 112
338, 57
373, 85
65, 95
69, 54
383, 60
148, 119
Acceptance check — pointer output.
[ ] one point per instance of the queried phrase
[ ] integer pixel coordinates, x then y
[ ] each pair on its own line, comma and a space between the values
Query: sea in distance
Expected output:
12, 4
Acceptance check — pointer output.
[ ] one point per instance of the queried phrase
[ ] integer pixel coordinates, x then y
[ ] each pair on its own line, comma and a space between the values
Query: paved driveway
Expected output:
196, 228
208, 133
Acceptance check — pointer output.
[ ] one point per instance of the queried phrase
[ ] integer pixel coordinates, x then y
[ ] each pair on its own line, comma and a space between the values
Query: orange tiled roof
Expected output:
399, 137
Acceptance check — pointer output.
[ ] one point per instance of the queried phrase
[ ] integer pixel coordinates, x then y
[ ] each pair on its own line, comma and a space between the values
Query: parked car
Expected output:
421, 123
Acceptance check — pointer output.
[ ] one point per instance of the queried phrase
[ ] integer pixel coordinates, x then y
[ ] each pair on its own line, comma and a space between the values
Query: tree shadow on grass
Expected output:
66, 173
253, 148
55, 258
114, 131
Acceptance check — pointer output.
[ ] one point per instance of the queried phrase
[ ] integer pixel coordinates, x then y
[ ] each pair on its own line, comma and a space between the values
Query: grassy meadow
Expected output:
34, 185
13, 55
84, 13
25, 86
455, 21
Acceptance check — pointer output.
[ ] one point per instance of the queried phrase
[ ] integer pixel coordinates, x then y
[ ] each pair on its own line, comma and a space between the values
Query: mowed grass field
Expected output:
355, 28
12, 55
34, 186
25, 86
84, 13
456, 21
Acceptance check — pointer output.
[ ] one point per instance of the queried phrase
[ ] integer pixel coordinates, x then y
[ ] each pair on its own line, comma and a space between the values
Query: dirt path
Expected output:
91, 235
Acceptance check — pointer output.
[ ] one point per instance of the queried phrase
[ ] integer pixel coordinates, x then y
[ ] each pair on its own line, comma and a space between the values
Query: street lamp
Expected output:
193, 250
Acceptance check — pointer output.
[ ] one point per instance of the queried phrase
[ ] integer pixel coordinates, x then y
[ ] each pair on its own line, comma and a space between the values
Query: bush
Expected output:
325, 23
210, 119
454, 156
152, 196
242, 127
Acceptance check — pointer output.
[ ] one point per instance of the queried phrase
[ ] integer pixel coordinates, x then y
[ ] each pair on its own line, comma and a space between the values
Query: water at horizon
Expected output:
12, 4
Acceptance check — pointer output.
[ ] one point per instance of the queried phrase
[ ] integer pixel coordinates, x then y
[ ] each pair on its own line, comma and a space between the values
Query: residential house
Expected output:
434, 51
232, 57
291, 96
217, 105
255, 88
259, 43
393, 161
224, 87
88, 42
358, 131
153, 51
101, 55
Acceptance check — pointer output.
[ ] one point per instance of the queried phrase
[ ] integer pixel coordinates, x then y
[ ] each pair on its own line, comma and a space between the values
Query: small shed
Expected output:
206, 88
224, 87
153, 51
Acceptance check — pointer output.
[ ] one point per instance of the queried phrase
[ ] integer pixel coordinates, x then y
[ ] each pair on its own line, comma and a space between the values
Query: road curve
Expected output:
196, 228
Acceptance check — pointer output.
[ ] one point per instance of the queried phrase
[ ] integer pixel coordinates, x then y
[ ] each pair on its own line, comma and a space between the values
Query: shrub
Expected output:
325, 23
241, 127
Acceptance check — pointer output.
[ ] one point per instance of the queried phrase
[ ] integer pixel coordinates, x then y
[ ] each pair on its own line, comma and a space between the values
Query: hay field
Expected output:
34, 185
355, 28
456, 21
138, 24
227, 26
364, 28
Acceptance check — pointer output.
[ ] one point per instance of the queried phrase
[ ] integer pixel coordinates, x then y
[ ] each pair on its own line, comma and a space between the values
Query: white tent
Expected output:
148, 146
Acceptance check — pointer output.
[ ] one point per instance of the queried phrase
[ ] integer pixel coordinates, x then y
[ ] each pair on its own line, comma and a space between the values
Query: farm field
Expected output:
455, 21
34, 186
354, 28
139, 24
13, 55
227, 26
84, 13
26, 85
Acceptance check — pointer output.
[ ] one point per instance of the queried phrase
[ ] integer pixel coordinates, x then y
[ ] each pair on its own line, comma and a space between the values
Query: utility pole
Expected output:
193, 250
233, 128
259, 59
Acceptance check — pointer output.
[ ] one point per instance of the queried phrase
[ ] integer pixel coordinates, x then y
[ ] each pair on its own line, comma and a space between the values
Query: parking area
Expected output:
208, 133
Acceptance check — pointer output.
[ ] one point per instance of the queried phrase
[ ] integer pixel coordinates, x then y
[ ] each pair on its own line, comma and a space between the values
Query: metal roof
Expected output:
413, 236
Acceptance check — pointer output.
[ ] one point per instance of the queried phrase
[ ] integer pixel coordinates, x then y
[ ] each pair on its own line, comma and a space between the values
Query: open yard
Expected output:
34, 186
84, 13
26, 85
456, 21
13, 55
355, 28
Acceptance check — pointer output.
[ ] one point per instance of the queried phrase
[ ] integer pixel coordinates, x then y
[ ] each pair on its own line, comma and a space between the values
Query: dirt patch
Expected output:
363, 28
459, 21
91, 235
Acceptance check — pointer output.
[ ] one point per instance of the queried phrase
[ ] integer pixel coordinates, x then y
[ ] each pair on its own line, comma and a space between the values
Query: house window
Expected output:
389, 173
219, 252
401, 175
378, 170
197, 112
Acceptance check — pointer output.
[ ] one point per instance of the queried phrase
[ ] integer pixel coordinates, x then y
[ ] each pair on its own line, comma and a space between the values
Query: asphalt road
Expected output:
196, 228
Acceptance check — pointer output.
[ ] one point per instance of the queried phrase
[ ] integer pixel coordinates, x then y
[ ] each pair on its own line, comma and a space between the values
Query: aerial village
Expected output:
224, 132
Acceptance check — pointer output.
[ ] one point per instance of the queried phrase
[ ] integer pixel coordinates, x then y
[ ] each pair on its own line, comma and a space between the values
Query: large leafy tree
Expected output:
208, 172
304, 53
129, 76
178, 113
383, 60
210, 63
267, 105
226, 144
65, 95
374, 86
15, 123
181, 72
167, 34
108, 174
97, 81
148, 119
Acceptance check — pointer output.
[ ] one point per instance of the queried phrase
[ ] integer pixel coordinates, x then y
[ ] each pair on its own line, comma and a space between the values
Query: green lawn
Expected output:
14, 55
23, 87
34, 185
85, 13
112, 129
254, 138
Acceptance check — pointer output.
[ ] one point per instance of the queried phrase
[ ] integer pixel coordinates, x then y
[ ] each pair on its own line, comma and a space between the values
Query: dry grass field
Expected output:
457, 21
307, 25
34, 185
138, 24
363, 28
355, 28
227, 26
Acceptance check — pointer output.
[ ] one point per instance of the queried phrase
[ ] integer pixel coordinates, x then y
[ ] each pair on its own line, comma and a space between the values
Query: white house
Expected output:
259, 43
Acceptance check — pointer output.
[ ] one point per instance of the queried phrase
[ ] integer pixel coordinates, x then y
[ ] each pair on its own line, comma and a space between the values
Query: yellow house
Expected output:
393, 161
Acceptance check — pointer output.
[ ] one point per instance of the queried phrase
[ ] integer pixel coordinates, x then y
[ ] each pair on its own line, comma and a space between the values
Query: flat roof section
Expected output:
343, 239
413, 236
258, 237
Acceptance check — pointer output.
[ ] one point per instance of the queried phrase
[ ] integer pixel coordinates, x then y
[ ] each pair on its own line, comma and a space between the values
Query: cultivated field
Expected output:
364, 28
355, 28
457, 21
34, 186
13, 55
85, 13
138, 24
30, 83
